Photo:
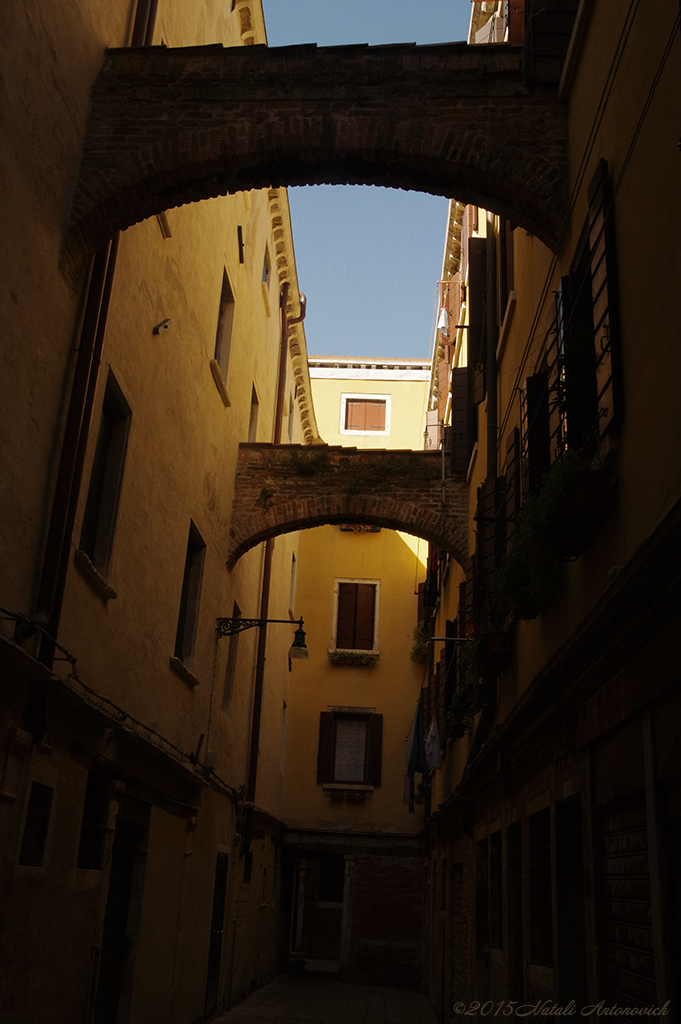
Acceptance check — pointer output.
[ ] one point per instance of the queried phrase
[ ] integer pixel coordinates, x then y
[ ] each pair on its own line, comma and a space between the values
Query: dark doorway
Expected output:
216, 929
113, 1002
515, 910
570, 890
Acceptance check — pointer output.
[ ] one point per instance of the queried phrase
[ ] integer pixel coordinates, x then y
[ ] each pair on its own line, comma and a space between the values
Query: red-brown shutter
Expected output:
375, 416
364, 620
347, 598
325, 755
375, 749
605, 301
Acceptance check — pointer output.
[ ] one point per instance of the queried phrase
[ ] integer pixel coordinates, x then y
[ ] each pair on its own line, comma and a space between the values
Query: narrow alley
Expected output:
323, 999
339, 688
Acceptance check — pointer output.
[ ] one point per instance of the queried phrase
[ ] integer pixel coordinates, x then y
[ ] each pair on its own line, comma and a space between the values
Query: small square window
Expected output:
365, 414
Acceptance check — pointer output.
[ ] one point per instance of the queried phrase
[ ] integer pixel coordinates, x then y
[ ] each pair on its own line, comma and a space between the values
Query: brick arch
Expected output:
284, 488
172, 126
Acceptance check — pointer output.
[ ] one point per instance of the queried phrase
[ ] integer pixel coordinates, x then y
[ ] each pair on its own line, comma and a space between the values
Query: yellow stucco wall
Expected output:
392, 685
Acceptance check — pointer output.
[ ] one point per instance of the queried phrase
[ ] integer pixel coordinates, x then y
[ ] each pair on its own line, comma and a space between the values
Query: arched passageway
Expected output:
283, 488
173, 126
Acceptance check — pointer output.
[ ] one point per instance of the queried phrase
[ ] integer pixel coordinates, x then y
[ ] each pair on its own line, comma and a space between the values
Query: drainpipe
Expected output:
267, 566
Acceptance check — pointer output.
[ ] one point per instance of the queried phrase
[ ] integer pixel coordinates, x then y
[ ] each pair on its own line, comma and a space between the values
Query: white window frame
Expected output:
334, 620
367, 398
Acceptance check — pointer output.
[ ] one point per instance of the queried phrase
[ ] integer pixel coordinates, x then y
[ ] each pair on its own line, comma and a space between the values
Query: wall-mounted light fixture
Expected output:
227, 627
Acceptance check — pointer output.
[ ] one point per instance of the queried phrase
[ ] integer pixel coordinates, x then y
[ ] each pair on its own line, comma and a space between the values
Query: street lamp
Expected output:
227, 627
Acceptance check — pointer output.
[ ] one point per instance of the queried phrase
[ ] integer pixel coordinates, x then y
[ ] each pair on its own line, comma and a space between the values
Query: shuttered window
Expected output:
512, 482
491, 535
536, 454
462, 436
364, 415
605, 302
356, 616
350, 748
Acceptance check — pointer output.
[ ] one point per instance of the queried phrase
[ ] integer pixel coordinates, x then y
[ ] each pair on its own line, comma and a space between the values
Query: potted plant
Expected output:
419, 649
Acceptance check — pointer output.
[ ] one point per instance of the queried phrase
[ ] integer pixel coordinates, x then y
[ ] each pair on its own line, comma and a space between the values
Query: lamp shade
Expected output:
298, 648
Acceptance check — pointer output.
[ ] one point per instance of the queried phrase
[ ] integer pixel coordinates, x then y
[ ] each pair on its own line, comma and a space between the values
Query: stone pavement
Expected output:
323, 999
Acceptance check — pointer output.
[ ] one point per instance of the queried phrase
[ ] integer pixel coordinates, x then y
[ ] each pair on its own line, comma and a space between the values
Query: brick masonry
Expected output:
173, 126
283, 488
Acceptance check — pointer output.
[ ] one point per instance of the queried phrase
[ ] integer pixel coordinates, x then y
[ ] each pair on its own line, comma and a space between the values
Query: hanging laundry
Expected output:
433, 746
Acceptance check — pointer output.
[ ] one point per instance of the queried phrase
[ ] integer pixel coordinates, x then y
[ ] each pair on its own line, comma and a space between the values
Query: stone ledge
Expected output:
219, 382
97, 583
181, 670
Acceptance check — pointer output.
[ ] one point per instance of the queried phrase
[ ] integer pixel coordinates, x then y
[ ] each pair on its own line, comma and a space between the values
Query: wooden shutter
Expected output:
375, 749
512, 481
536, 439
477, 287
461, 444
472, 610
450, 662
606, 323
461, 617
374, 416
347, 601
442, 387
491, 534
479, 383
364, 617
325, 754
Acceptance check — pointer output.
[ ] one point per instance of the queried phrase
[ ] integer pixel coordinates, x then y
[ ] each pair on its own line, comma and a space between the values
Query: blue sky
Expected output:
368, 258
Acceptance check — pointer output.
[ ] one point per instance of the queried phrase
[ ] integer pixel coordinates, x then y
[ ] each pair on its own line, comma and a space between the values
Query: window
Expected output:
355, 626
365, 414
541, 914
331, 879
101, 507
232, 652
191, 593
253, 421
94, 824
266, 269
223, 337
36, 825
350, 744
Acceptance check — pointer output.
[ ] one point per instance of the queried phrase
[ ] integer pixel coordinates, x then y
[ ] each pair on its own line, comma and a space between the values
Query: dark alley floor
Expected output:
323, 999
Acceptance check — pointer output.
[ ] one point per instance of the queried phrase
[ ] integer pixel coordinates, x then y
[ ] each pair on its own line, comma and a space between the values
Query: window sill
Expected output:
266, 298
354, 786
181, 670
219, 382
93, 577
353, 659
